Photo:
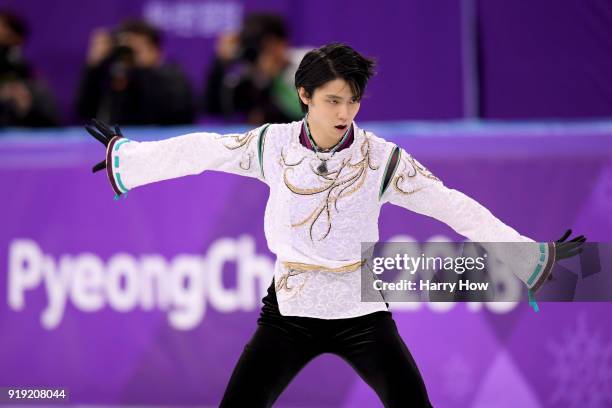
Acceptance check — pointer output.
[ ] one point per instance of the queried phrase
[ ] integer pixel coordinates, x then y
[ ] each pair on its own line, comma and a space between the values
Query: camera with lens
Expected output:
12, 65
121, 54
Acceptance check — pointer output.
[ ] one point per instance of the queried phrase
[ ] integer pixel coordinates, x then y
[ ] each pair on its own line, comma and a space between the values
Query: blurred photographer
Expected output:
252, 74
23, 100
127, 82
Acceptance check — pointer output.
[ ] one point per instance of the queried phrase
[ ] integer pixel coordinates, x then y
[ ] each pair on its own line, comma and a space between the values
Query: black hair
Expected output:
333, 61
141, 27
15, 23
257, 29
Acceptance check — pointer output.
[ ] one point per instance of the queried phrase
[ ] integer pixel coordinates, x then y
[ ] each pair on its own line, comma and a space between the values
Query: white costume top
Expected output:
315, 223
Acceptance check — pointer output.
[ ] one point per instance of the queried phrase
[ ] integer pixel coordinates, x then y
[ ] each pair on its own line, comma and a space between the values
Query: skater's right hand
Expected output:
104, 134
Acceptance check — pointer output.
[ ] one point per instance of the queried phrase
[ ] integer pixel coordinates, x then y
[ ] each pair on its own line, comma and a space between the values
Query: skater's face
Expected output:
331, 108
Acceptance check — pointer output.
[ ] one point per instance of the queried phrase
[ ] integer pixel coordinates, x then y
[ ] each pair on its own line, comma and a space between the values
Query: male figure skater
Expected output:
328, 179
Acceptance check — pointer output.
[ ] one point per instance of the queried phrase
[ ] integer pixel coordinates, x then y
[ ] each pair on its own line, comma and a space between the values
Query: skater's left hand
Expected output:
104, 134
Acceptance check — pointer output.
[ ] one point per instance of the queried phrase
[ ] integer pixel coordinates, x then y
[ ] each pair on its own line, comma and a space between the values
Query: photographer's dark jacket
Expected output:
136, 96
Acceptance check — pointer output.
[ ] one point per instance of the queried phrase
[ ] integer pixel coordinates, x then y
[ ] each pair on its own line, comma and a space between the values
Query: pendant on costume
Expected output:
322, 167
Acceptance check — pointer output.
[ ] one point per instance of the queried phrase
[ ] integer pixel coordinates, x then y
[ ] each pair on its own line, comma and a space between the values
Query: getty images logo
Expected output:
181, 286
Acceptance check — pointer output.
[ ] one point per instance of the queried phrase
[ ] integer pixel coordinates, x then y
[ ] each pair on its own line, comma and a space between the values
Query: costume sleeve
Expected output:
414, 187
132, 164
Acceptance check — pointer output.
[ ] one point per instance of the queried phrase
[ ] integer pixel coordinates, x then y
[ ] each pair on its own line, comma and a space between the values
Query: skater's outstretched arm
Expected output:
410, 185
131, 164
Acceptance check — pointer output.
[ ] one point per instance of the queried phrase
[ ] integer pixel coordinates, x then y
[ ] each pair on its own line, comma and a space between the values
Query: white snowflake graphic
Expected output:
457, 377
582, 368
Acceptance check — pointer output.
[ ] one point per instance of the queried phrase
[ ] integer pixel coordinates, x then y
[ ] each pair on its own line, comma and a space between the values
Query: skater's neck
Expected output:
309, 139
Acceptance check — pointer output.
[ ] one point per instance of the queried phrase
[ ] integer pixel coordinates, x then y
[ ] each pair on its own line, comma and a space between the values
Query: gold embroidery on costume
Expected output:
297, 268
283, 283
346, 180
284, 160
238, 141
410, 168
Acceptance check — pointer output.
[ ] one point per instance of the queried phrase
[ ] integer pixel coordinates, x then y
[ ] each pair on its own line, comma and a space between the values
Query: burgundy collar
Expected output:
305, 140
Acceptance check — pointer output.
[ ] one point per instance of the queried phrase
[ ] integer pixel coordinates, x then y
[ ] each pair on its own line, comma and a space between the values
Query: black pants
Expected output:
283, 345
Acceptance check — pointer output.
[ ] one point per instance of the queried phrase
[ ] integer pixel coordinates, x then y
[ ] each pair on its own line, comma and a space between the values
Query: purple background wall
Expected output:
544, 59
541, 179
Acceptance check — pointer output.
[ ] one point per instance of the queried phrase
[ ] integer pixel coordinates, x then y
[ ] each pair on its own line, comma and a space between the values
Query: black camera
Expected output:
12, 65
